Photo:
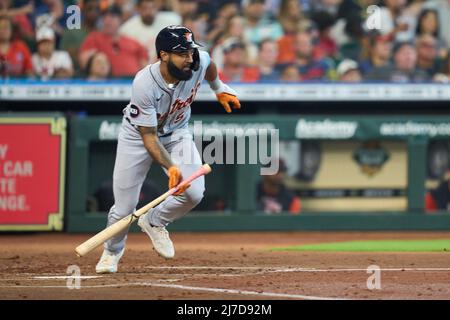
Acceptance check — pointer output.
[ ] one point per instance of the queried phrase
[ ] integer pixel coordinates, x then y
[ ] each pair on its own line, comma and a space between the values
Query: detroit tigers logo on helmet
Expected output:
175, 39
188, 36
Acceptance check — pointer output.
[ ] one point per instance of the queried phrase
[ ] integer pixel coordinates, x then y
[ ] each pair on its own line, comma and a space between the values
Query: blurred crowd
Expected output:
251, 41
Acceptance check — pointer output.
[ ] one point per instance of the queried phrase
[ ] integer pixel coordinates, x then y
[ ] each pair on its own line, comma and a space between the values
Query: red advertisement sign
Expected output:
32, 153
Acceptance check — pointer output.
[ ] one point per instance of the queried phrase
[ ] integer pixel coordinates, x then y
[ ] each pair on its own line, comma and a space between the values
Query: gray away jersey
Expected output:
153, 103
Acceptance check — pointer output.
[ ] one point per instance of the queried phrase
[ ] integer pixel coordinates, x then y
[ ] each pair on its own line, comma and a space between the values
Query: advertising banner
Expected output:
32, 173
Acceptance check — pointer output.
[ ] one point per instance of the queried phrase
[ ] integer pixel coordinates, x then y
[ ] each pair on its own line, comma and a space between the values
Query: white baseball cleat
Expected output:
109, 261
160, 238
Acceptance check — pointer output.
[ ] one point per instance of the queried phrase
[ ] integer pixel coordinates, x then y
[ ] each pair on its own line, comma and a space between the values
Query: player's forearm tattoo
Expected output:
154, 147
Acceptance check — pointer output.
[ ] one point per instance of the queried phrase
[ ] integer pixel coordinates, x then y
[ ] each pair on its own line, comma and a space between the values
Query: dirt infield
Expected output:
222, 266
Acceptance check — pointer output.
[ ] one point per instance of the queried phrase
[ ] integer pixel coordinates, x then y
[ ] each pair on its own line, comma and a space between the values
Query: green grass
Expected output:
437, 245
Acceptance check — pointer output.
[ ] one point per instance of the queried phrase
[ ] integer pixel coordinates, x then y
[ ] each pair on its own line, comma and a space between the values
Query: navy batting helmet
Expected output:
175, 39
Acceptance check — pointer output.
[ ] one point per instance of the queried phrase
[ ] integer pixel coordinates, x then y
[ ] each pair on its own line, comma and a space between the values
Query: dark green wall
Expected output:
91, 160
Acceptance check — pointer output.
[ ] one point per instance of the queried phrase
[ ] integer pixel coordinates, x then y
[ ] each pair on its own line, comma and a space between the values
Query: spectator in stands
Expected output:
126, 55
50, 13
329, 6
127, 7
272, 7
443, 76
98, 67
234, 29
272, 195
187, 8
226, 26
310, 68
349, 35
235, 68
212, 8
428, 23
286, 44
268, 52
72, 39
219, 23
395, 21
15, 57
47, 62
351, 8
257, 25
348, 71
443, 9
144, 26
104, 4
446, 68
439, 198
379, 52
290, 73
348, 19
290, 15
10, 9
22, 27
427, 55
326, 46
404, 69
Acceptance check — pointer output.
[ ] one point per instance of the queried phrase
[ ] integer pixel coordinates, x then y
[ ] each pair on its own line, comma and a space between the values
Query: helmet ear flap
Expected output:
196, 60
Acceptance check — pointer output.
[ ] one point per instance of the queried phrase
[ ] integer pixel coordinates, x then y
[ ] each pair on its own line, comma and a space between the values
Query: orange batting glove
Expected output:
226, 95
225, 98
175, 178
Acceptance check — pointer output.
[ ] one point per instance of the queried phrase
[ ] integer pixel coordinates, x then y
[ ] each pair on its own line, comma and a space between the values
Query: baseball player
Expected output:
154, 130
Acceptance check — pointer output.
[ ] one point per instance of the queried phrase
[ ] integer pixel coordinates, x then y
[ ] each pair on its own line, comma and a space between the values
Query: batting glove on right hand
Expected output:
225, 96
175, 178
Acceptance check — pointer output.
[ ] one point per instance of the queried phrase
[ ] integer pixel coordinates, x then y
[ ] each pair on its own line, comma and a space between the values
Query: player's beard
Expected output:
178, 73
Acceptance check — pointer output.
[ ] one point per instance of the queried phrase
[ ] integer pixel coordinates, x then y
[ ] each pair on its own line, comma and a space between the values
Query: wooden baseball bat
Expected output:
120, 225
